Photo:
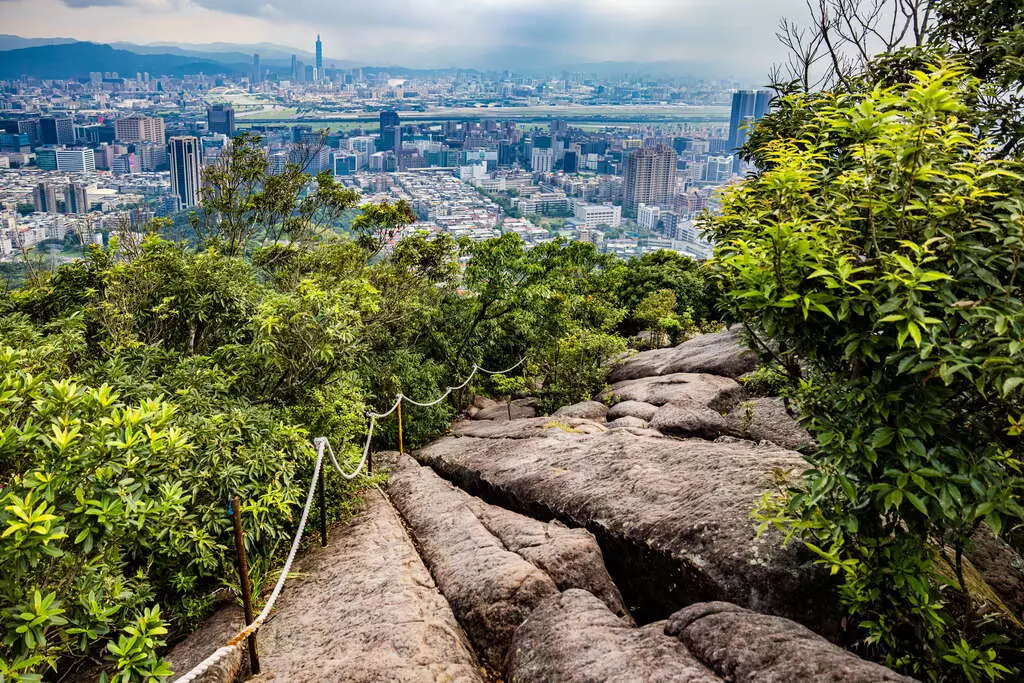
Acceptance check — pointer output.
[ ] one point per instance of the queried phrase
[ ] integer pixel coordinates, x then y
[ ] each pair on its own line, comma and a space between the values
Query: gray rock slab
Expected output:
710, 391
588, 410
766, 419
639, 409
688, 419
746, 647
365, 608
574, 638
717, 354
672, 515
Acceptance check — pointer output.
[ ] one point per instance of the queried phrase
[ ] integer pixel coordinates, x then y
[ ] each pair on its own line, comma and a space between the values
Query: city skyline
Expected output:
730, 38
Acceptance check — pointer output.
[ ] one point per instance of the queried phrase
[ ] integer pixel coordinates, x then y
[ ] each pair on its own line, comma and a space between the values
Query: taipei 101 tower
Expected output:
319, 59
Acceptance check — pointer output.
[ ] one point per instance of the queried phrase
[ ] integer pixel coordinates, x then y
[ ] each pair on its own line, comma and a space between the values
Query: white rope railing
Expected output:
222, 652
322, 446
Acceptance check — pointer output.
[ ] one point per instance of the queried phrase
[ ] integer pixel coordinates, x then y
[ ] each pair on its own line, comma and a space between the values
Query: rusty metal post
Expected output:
401, 444
246, 586
323, 509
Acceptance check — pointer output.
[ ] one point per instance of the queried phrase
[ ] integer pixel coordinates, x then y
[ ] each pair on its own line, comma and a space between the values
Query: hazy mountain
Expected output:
76, 60
9, 42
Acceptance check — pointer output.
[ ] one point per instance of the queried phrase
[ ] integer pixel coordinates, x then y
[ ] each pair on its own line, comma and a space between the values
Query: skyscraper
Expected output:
390, 132
319, 59
57, 130
650, 175
76, 199
257, 70
748, 107
220, 118
185, 176
44, 198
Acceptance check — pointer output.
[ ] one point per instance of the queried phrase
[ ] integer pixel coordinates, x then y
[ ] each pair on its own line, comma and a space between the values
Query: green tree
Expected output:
879, 251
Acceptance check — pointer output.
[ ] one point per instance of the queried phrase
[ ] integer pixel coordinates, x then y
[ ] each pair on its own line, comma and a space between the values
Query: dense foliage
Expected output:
875, 257
144, 384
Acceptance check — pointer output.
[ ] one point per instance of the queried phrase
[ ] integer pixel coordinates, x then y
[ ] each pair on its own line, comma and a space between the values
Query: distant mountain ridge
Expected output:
77, 60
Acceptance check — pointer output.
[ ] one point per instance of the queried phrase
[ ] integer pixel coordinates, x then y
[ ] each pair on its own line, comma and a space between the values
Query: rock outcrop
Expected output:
766, 419
492, 565
573, 638
673, 516
746, 647
717, 354
701, 389
587, 410
364, 608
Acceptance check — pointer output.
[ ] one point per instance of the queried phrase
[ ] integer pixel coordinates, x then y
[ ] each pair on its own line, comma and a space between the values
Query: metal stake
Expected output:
243, 575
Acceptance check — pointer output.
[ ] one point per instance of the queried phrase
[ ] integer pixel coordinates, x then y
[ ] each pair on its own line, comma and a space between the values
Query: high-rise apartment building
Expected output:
650, 175
220, 118
184, 157
44, 198
76, 199
57, 130
542, 160
319, 72
748, 107
152, 157
140, 128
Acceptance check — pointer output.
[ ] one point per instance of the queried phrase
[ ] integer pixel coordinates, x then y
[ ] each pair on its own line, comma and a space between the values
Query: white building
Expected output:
593, 215
648, 217
76, 160
543, 160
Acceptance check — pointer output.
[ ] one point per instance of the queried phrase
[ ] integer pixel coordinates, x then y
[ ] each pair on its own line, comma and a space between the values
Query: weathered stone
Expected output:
672, 516
687, 419
710, 391
746, 647
526, 428
214, 632
490, 589
717, 354
1001, 566
644, 411
627, 423
766, 419
574, 638
482, 402
571, 557
517, 410
587, 410
364, 609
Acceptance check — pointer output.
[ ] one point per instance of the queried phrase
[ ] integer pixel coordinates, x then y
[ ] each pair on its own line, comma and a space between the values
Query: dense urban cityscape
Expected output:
627, 165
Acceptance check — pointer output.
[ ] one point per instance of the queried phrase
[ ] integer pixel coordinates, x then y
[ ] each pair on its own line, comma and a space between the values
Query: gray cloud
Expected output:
736, 35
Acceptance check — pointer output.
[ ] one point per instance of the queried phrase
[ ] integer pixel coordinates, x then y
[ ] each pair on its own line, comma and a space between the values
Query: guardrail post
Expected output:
246, 586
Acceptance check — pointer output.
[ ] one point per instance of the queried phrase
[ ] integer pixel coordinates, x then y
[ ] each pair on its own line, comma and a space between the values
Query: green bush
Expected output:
880, 249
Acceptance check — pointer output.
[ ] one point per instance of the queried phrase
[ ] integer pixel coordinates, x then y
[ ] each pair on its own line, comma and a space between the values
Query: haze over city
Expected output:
715, 37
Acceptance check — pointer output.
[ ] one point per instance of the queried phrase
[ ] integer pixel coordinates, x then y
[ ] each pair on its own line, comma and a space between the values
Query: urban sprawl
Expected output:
626, 165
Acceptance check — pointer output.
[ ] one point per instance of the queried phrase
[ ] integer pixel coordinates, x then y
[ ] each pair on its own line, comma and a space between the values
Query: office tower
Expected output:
570, 162
44, 198
680, 144
542, 142
506, 153
185, 175
140, 128
295, 69
257, 71
719, 168
389, 124
124, 164
319, 59
76, 199
57, 130
650, 175
220, 118
46, 159
76, 160
748, 107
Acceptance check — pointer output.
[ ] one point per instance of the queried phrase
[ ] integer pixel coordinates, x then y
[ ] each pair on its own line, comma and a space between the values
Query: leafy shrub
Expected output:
880, 250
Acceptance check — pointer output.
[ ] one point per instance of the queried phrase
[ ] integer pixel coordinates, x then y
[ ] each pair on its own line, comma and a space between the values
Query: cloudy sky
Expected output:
735, 35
